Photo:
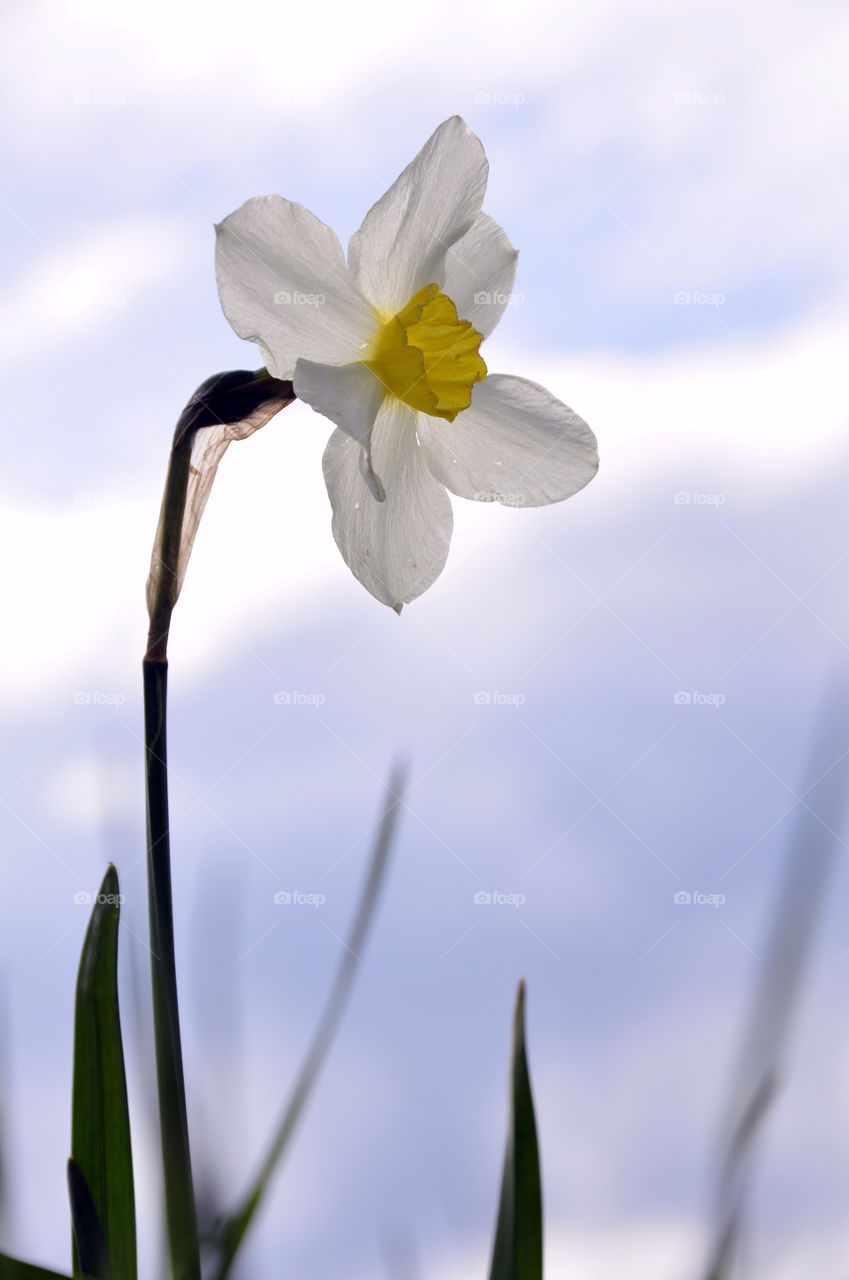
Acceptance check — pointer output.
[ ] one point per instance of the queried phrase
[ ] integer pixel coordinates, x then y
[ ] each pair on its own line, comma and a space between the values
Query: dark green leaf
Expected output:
517, 1251
100, 1130
12, 1269
91, 1257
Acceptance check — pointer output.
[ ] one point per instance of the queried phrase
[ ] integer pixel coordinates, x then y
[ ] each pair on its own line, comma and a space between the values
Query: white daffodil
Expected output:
387, 347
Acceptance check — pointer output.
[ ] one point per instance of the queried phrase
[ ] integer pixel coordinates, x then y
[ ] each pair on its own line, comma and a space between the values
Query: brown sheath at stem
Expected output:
236, 404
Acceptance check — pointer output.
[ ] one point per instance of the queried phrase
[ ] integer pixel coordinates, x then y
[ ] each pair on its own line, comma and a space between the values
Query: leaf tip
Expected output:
110, 882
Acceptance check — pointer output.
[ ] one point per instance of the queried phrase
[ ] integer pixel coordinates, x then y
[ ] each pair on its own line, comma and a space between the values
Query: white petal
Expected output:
349, 395
402, 243
396, 548
479, 273
516, 444
283, 284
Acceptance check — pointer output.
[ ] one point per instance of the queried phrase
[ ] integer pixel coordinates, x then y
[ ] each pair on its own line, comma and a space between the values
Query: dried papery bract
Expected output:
226, 407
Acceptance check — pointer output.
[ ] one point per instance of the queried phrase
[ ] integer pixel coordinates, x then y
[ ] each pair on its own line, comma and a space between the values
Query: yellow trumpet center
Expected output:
428, 357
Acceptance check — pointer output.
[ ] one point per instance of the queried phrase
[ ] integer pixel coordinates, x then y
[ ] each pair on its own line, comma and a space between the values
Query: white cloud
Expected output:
773, 402
78, 287
92, 790
651, 1250
265, 554
754, 177
658, 1249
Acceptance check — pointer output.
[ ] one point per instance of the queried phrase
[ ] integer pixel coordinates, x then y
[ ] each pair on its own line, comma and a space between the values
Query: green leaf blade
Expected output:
91, 1253
100, 1128
517, 1249
14, 1269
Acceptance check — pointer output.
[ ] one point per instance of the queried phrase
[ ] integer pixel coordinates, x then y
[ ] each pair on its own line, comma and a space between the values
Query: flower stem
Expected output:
241, 401
173, 1121
180, 1210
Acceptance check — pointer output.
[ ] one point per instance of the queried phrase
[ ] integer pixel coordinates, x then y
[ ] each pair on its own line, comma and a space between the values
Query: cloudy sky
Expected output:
653, 653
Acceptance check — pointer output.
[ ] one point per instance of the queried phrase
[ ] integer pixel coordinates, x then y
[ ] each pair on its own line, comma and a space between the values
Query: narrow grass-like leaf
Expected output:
100, 1130
517, 1250
4, 1097
91, 1257
236, 1226
809, 865
725, 1247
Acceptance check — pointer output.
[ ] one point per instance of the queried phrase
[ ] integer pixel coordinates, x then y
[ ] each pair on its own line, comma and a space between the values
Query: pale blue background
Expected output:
648, 150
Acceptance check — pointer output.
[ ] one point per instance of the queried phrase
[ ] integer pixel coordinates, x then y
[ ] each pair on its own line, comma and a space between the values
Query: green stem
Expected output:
176, 487
173, 1121
245, 398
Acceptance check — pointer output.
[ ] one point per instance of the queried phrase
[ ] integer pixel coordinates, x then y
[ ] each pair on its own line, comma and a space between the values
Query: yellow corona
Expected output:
428, 357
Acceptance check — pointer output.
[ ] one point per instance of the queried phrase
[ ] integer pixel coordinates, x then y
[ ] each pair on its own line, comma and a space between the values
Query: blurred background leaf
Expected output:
820, 815
235, 1227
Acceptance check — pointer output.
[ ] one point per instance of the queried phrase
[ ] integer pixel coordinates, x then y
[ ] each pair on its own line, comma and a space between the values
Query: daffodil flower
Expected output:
387, 346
